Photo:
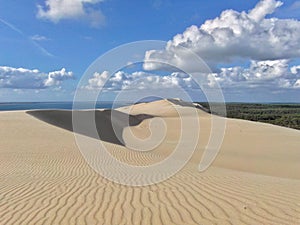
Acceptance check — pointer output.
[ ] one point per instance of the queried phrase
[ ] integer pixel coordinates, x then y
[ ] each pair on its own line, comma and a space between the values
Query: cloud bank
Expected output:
20, 78
138, 81
234, 35
57, 10
274, 74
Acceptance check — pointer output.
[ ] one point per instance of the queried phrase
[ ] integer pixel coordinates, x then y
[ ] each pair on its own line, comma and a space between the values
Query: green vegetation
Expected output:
287, 115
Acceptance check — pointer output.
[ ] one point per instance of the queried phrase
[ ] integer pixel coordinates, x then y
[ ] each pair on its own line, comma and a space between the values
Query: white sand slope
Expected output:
45, 180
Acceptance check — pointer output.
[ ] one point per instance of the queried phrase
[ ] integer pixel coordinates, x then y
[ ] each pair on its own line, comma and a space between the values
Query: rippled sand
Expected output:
44, 179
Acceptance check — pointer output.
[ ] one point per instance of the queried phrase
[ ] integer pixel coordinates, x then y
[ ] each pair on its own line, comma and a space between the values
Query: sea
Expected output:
12, 106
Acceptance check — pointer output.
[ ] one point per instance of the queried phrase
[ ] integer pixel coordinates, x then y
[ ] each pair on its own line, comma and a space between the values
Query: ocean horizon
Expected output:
15, 106
68, 105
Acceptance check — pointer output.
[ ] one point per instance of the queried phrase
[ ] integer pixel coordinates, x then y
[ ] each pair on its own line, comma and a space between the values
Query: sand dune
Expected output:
45, 180
108, 129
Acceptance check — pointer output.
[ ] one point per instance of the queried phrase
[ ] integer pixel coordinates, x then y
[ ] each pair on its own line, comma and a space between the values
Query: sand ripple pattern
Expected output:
48, 182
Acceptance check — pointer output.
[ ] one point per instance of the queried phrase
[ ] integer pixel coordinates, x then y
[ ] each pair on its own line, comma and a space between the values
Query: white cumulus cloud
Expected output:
20, 78
56, 77
56, 10
295, 69
139, 80
233, 35
269, 74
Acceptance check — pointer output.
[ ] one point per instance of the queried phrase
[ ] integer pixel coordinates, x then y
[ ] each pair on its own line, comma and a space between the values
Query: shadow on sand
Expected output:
109, 123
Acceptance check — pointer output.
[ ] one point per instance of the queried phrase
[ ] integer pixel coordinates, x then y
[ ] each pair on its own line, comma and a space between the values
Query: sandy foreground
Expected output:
44, 179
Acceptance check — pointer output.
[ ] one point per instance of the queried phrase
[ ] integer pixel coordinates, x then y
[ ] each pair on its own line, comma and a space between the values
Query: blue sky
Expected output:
46, 50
